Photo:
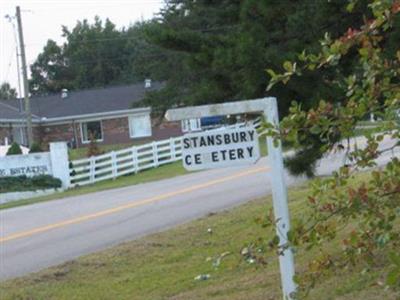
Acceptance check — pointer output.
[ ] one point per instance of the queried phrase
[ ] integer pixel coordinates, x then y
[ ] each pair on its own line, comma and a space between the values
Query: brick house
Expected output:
111, 115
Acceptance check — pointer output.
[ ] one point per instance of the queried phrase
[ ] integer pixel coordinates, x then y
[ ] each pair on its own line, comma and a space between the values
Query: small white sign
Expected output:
29, 165
220, 148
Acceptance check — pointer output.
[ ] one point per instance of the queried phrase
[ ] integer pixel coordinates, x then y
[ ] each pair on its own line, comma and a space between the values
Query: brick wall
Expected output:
166, 130
115, 131
44, 134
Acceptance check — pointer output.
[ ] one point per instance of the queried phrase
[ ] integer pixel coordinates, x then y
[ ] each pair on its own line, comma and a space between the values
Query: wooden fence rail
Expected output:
129, 161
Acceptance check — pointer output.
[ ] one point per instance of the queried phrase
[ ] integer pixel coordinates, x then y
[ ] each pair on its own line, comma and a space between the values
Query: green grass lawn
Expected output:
164, 265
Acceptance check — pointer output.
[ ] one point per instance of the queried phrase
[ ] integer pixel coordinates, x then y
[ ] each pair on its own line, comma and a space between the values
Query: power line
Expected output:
95, 40
126, 57
11, 20
94, 5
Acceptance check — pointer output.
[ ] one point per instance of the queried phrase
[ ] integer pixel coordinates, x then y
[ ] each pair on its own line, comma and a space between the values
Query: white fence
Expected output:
128, 161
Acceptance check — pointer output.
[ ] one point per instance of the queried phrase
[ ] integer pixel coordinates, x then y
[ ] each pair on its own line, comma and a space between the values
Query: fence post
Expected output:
155, 154
178, 153
135, 160
172, 148
60, 163
114, 168
92, 160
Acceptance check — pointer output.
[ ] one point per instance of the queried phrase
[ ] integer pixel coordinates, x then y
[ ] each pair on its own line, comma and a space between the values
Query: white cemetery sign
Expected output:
220, 148
54, 163
269, 107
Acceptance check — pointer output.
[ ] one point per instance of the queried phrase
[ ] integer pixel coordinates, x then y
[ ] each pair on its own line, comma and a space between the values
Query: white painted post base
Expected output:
59, 162
279, 196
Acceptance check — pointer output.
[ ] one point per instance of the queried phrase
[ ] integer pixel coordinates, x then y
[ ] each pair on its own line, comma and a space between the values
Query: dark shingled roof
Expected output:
81, 102
9, 112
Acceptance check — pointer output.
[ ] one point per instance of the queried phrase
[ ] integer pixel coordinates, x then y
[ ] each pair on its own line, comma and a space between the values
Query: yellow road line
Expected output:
129, 205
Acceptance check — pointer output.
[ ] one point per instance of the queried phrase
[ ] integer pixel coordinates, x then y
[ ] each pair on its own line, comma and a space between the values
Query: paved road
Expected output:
45, 234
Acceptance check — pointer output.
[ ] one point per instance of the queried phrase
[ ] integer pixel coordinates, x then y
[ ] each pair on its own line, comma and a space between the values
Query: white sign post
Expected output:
220, 148
279, 197
268, 106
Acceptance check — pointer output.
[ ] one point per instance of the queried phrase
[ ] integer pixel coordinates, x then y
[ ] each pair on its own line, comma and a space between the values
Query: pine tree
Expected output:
14, 149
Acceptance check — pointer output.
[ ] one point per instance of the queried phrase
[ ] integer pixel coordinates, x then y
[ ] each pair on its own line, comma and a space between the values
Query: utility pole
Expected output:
25, 79
21, 109
10, 19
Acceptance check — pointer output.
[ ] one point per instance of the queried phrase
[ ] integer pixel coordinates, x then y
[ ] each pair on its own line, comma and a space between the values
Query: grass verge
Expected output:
163, 172
164, 265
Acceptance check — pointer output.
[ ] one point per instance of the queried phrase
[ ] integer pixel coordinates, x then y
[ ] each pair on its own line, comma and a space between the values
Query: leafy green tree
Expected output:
145, 59
204, 51
97, 55
194, 30
7, 92
50, 72
364, 217
226, 46
91, 56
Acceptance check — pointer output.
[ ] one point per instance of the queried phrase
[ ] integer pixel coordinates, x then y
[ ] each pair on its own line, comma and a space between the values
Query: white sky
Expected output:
42, 20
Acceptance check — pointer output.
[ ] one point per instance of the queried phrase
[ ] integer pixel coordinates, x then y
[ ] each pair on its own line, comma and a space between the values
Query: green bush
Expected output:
93, 148
35, 148
24, 183
15, 149
46, 181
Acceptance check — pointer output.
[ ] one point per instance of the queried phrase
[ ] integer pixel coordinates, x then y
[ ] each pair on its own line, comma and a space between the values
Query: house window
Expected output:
191, 125
90, 130
139, 126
